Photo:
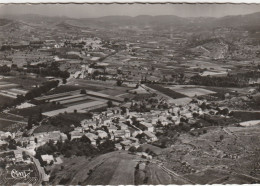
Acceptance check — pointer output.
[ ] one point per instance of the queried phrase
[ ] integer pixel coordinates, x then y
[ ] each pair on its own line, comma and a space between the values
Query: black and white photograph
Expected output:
129, 93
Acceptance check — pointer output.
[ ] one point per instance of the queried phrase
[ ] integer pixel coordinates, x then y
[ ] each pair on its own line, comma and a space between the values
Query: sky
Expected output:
99, 10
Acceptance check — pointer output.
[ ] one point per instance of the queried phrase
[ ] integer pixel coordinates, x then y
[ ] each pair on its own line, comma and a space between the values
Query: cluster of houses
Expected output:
125, 129
122, 128
38, 139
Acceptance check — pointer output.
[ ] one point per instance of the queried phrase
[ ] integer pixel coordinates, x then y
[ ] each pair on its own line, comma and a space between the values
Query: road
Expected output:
174, 174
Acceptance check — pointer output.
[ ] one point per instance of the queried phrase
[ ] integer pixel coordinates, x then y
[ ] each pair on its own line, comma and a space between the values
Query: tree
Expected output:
19, 143
68, 154
139, 149
12, 145
109, 103
132, 149
35, 140
221, 137
29, 124
119, 82
85, 139
147, 150
40, 115
83, 91
64, 81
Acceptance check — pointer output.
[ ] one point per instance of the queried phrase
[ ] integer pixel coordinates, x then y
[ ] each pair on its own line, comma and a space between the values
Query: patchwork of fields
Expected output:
69, 98
180, 95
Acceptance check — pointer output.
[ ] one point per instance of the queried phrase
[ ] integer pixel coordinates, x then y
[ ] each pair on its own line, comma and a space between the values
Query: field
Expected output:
35, 110
181, 101
5, 100
11, 123
99, 86
64, 88
48, 128
12, 93
25, 81
88, 84
247, 115
166, 91
70, 99
4, 124
81, 107
104, 169
6, 85
76, 100
191, 92
127, 177
21, 58
115, 91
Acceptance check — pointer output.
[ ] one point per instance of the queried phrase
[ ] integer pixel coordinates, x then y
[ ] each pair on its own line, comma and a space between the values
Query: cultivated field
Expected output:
24, 81
191, 92
79, 107
35, 110
64, 89
127, 177
181, 101
11, 123
5, 100
168, 92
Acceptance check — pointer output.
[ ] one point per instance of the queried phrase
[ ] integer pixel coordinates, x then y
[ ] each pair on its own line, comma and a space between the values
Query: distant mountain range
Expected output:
250, 20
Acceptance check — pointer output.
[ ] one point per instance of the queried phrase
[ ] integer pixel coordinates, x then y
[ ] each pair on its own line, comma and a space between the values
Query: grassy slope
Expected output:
106, 169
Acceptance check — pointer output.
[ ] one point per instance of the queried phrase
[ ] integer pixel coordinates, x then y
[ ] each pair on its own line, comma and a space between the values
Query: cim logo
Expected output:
21, 174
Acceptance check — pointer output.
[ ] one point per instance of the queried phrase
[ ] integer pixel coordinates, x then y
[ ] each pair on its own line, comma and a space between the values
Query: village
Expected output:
178, 102
128, 130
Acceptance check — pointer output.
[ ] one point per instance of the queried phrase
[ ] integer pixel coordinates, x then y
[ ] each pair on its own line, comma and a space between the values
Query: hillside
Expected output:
221, 155
104, 169
238, 21
4, 22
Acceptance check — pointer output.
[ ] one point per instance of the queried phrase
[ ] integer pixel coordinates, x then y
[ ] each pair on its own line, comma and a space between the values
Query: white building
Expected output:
102, 134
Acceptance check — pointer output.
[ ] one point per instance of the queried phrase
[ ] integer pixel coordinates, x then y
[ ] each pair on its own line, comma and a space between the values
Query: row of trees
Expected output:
48, 70
42, 89
230, 81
